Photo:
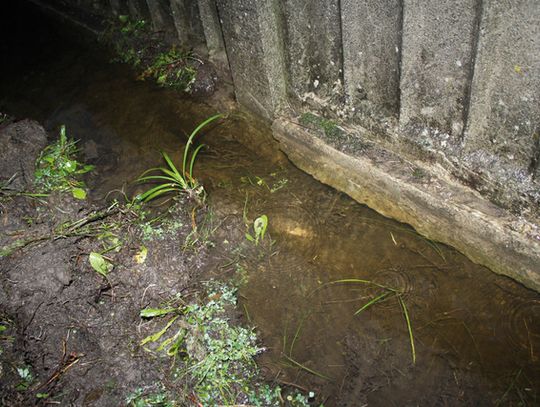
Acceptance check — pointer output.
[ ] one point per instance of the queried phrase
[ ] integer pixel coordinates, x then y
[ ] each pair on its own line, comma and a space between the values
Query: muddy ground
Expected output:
75, 332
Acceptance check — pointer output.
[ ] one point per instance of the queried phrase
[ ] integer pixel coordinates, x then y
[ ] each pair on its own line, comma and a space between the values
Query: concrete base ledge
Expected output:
435, 205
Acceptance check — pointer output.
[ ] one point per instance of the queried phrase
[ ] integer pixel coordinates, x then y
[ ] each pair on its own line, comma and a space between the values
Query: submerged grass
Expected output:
385, 295
307, 369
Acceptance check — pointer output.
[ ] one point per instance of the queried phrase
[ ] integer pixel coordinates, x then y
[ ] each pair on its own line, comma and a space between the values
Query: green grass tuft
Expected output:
170, 178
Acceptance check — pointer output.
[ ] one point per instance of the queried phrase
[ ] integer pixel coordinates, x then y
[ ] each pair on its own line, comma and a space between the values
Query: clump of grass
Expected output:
146, 397
176, 180
127, 38
57, 168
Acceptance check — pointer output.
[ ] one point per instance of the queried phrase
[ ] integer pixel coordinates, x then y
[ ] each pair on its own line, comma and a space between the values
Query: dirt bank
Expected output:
74, 335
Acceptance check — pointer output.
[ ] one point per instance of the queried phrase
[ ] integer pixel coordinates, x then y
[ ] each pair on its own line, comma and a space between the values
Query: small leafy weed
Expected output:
172, 69
57, 168
100, 264
26, 376
145, 398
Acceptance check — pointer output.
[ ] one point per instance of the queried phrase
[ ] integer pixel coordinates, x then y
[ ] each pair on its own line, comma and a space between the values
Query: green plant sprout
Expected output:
26, 376
176, 180
58, 170
4, 118
259, 228
100, 264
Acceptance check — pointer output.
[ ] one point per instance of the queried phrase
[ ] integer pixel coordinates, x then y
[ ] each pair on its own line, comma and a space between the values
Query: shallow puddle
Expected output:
414, 322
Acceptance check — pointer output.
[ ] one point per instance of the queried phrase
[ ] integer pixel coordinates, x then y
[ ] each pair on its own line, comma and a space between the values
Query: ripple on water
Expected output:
521, 326
396, 278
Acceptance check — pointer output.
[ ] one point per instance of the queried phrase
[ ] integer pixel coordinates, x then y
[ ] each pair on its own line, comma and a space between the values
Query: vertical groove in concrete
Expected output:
371, 42
341, 57
504, 117
313, 48
475, 39
138, 10
189, 28
162, 19
273, 48
437, 53
400, 58
179, 14
251, 36
212, 28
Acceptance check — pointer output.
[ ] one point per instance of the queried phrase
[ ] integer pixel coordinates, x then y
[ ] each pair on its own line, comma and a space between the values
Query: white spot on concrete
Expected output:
316, 83
427, 111
457, 128
458, 63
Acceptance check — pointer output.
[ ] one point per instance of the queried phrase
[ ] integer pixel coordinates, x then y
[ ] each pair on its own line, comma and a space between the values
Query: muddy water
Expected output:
476, 335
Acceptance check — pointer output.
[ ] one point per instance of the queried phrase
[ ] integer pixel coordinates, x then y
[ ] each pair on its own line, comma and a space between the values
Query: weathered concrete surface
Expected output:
438, 49
188, 24
435, 206
371, 55
138, 10
313, 46
87, 14
212, 29
162, 19
504, 120
254, 47
119, 7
